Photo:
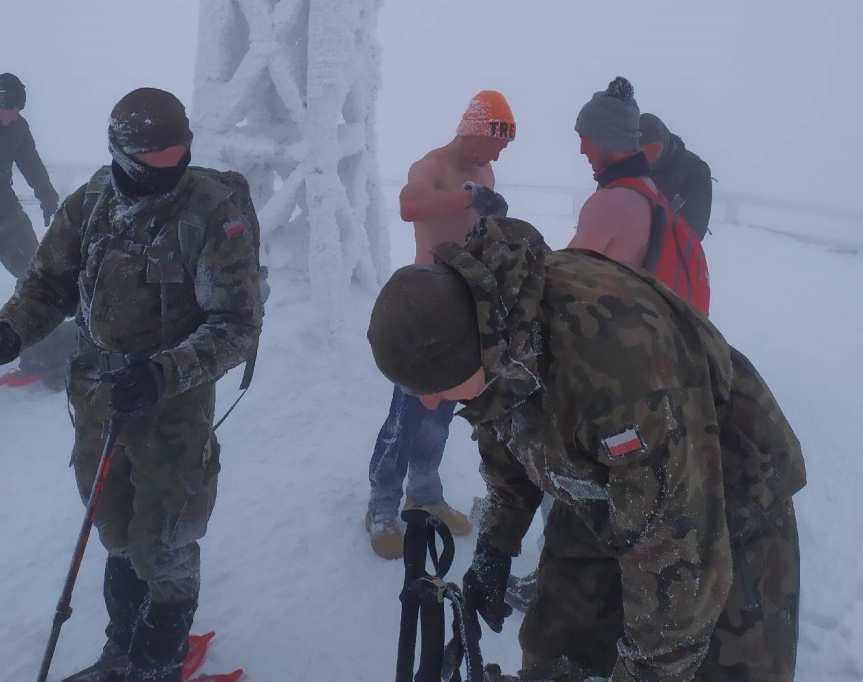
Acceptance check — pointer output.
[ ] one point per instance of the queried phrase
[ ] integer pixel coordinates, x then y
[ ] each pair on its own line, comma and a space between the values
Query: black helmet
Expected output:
13, 94
148, 119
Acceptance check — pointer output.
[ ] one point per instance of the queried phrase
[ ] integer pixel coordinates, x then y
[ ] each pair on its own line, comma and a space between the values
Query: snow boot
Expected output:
124, 594
111, 667
160, 642
458, 523
520, 592
386, 536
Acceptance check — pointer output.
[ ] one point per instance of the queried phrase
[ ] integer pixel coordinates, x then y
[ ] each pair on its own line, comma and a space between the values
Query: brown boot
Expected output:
386, 536
458, 523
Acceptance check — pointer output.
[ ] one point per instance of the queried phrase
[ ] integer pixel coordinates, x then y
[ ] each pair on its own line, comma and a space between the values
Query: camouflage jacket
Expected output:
172, 277
622, 402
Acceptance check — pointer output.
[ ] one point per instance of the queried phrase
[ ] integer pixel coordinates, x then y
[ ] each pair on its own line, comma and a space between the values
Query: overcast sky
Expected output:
767, 92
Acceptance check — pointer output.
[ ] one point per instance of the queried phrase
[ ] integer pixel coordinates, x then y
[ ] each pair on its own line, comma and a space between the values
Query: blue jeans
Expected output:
411, 443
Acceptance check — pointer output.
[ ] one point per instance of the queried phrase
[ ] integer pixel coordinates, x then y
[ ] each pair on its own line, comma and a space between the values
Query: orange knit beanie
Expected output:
488, 115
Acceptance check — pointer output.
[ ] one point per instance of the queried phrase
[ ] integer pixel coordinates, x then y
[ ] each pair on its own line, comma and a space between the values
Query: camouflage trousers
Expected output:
17, 242
578, 611
161, 488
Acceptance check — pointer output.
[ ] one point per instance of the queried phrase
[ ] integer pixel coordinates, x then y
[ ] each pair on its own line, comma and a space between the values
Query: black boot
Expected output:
160, 642
124, 594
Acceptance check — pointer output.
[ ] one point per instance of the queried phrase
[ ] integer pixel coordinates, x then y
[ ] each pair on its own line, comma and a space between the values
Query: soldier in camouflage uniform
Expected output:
671, 551
157, 262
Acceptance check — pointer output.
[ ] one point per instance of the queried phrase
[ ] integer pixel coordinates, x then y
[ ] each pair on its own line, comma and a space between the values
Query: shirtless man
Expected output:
447, 190
614, 221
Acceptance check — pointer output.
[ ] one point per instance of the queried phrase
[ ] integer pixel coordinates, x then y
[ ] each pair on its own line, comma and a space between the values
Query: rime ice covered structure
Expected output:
285, 93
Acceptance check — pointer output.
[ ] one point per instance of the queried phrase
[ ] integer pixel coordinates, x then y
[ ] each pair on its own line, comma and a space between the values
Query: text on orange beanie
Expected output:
488, 115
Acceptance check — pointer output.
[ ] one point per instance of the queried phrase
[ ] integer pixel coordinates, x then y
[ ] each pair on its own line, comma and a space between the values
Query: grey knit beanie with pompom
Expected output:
611, 117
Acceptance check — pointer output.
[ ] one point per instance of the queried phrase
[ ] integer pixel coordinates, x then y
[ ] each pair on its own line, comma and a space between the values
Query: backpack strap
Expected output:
95, 196
658, 217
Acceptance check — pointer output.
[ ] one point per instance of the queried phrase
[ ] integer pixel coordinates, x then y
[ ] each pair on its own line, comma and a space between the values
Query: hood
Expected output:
503, 263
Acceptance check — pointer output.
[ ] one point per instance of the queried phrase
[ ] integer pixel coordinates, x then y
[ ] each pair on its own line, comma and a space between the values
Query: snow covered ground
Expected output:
289, 581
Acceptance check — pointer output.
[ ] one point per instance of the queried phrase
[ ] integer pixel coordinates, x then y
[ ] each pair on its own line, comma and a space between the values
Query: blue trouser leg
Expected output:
424, 485
411, 437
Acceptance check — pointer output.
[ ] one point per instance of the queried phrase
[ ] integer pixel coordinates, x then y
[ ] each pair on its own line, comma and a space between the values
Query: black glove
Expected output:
10, 343
485, 585
48, 211
137, 387
485, 201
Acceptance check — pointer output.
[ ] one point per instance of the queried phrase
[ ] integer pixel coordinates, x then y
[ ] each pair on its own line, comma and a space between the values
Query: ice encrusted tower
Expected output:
285, 93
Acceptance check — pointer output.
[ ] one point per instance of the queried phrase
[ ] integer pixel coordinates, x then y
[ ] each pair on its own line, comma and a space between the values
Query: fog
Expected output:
766, 92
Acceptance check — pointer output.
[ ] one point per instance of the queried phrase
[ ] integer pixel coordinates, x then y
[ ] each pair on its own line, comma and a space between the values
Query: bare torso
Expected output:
616, 223
443, 174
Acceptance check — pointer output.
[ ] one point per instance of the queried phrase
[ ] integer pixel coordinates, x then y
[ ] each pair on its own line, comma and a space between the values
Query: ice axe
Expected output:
64, 606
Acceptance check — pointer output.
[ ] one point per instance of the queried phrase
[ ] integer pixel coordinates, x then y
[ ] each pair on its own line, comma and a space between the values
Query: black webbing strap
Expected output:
422, 600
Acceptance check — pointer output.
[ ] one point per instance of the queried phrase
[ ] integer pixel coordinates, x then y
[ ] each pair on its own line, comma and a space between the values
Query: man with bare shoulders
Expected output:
615, 220
447, 190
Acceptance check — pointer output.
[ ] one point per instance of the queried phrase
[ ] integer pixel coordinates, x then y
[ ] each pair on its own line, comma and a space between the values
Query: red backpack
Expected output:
674, 253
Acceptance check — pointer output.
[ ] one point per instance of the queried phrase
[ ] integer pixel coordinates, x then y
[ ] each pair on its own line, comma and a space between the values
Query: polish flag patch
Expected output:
625, 443
234, 229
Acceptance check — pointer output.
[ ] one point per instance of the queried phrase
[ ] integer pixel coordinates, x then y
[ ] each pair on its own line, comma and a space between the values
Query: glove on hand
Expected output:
48, 211
10, 343
485, 585
137, 387
485, 201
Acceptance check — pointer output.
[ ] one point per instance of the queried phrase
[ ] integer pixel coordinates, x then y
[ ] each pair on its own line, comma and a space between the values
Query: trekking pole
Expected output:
415, 563
64, 606
423, 597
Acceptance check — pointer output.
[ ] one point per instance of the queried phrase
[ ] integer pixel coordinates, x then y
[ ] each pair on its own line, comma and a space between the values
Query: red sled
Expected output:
16, 379
228, 677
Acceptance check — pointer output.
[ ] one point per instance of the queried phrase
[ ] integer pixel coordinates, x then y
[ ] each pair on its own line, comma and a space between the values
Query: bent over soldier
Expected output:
157, 262
671, 550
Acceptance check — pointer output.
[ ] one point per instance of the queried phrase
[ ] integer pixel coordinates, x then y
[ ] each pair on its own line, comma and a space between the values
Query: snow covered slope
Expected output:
288, 578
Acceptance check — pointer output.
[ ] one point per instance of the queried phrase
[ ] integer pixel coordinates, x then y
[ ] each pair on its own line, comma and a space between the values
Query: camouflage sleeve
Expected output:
227, 291
48, 293
667, 519
512, 498
30, 164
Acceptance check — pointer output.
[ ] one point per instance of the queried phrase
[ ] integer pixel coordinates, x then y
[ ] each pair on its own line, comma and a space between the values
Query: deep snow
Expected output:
289, 581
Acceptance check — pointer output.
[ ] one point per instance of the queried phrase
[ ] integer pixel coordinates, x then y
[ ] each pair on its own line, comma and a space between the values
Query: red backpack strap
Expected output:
637, 185
659, 218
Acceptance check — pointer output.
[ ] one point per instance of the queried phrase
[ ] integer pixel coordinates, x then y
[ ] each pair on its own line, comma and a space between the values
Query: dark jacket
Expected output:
683, 176
17, 146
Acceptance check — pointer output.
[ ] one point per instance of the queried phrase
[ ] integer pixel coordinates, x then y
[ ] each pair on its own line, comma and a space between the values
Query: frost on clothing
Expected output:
412, 439
131, 290
158, 277
578, 350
